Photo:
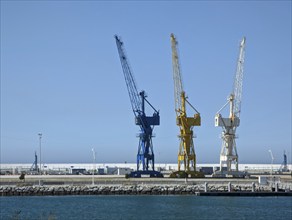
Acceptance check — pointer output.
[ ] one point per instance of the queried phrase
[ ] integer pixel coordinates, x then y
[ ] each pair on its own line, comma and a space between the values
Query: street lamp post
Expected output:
40, 143
272, 161
93, 154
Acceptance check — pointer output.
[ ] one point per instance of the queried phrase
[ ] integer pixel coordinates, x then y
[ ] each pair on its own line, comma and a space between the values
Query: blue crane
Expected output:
145, 155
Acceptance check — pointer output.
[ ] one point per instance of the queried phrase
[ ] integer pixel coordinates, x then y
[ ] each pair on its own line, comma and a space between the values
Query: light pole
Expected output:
40, 142
272, 157
93, 154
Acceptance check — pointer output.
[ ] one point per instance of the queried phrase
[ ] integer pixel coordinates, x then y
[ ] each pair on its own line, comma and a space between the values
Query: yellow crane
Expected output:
186, 153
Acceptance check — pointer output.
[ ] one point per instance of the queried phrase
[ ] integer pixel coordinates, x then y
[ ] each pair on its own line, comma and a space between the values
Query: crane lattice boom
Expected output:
237, 86
177, 78
129, 78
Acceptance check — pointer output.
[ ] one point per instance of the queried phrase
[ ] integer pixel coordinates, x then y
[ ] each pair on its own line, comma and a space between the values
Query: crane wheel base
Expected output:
186, 174
139, 174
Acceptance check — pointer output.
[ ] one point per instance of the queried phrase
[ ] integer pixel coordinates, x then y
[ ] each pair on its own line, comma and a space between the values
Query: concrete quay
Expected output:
118, 185
198, 190
107, 179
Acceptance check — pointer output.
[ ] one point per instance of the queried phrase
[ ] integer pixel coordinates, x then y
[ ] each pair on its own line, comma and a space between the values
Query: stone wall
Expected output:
140, 189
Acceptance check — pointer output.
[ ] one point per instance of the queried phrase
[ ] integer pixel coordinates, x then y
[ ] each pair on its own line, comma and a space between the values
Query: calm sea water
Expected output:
145, 207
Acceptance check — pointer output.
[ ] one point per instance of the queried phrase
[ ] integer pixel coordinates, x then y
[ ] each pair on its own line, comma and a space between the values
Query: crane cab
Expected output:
226, 122
148, 120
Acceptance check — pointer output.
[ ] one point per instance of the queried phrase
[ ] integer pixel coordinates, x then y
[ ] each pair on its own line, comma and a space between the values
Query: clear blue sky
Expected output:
61, 75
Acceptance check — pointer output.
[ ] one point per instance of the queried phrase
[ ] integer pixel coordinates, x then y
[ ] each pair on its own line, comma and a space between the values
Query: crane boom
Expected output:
129, 78
237, 86
177, 78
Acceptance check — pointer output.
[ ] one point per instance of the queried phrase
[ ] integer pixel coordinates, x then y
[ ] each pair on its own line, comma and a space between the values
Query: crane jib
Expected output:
130, 81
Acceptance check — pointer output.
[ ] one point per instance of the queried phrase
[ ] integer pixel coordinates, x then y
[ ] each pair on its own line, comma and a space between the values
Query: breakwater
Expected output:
147, 189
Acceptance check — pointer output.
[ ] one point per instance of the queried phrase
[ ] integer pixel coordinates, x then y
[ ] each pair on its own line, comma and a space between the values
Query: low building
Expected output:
100, 171
124, 171
118, 170
77, 171
207, 170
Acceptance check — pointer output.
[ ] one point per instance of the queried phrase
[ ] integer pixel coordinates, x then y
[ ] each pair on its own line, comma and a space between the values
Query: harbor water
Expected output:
144, 207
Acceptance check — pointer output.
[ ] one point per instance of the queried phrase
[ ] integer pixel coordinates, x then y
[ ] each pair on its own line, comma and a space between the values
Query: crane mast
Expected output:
186, 154
145, 155
228, 155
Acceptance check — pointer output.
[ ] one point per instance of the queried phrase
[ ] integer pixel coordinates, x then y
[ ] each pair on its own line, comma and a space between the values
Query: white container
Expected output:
263, 180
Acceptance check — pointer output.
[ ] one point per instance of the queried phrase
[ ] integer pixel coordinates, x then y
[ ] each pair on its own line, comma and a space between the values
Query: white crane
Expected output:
228, 155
